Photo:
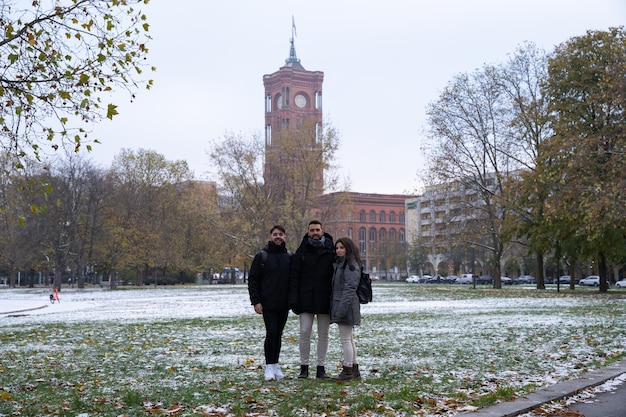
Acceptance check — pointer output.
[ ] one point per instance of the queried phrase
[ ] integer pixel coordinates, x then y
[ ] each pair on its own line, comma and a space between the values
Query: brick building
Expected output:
376, 223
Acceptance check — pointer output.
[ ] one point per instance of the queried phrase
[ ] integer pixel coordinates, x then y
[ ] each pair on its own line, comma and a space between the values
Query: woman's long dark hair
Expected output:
352, 252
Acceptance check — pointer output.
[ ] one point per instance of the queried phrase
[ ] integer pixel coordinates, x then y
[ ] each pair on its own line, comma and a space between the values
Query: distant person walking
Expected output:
268, 286
55, 295
345, 309
309, 294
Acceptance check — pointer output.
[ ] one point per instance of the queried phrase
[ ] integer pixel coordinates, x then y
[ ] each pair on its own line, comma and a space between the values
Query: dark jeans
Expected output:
274, 325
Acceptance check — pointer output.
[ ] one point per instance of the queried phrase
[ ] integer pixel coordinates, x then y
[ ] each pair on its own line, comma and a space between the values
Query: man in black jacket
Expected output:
268, 286
309, 293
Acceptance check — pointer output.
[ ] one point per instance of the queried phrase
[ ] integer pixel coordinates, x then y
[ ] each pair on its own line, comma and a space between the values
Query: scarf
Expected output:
317, 243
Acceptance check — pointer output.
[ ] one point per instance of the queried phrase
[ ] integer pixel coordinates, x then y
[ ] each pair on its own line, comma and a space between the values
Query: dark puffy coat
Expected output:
345, 307
268, 283
311, 276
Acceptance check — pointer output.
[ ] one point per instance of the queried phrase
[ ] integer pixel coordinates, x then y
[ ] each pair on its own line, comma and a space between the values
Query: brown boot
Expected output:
355, 371
345, 375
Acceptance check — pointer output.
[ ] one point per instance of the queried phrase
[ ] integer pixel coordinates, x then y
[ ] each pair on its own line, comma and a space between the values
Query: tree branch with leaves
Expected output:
60, 63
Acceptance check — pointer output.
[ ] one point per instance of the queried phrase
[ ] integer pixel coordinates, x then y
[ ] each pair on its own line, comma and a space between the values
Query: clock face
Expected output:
279, 102
300, 100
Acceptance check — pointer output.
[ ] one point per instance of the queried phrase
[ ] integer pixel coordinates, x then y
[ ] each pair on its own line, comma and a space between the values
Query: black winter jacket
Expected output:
268, 282
311, 277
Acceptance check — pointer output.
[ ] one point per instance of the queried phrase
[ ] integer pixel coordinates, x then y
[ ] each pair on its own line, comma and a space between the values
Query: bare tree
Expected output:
470, 136
251, 206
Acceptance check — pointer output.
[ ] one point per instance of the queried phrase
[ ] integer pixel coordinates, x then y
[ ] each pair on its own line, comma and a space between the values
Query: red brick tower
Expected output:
293, 103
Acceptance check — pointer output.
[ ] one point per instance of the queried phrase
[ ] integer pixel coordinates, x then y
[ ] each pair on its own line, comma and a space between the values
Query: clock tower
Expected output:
293, 123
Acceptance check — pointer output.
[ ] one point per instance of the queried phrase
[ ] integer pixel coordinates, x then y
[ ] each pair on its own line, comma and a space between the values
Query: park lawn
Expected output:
198, 351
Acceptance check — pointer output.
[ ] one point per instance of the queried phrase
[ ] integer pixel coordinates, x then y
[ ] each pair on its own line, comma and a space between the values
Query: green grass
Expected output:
428, 361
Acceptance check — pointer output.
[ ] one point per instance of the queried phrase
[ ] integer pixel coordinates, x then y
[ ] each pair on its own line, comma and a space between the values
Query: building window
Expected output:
350, 232
268, 135
382, 234
382, 217
362, 216
392, 234
286, 95
362, 239
392, 217
318, 100
401, 220
401, 235
268, 103
372, 216
372, 235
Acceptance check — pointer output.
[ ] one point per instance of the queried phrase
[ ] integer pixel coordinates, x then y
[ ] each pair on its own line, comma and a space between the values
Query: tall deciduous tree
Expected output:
586, 157
521, 79
250, 206
144, 212
296, 186
471, 148
60, 64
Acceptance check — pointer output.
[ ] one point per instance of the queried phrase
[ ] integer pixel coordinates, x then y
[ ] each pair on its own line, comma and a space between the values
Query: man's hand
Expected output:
258, 308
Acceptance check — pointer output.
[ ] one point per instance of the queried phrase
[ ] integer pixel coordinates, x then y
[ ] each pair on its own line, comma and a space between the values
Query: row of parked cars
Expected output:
468, 279
592, 280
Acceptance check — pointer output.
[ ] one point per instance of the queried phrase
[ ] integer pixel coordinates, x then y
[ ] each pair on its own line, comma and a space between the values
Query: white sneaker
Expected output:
269, 373
277, 372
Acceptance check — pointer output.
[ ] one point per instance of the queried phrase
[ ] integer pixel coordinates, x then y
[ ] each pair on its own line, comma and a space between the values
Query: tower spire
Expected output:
293, 60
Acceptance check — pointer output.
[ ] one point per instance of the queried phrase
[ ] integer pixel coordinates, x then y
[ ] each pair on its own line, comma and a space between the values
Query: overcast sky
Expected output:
383, 62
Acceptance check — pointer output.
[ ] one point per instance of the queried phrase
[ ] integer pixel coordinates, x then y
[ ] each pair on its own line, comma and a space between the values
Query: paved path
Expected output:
561, 390
9, 307
605, 404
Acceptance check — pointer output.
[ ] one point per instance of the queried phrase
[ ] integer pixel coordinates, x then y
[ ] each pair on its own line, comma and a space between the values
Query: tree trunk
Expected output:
603, 271
541, 279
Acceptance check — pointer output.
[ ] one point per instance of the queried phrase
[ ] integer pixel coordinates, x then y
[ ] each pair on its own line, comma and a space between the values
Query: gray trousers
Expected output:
306, 326
346, 335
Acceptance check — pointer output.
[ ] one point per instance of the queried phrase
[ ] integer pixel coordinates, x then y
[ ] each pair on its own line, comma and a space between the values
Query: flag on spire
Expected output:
293, 27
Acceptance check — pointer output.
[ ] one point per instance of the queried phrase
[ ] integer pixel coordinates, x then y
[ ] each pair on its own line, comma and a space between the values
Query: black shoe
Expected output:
355, 371
304, 372
321, 373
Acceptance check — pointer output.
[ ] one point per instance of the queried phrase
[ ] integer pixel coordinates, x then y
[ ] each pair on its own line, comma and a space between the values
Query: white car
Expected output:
591, 280
465, 279
621, 284
413, 278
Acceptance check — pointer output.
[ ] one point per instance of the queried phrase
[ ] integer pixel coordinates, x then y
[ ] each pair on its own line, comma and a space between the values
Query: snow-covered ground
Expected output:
513, 337
226, 300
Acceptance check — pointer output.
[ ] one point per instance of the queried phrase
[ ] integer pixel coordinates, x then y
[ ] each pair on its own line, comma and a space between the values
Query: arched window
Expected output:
392, 234
372, 216
362, 216
382, 234
372, 235
401, 217
392, 217
362, 239
350, 233
401, 235
382, 217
